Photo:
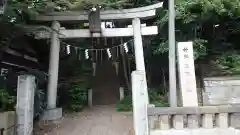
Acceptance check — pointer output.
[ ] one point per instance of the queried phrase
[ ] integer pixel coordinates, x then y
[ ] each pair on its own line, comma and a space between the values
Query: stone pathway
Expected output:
95, 121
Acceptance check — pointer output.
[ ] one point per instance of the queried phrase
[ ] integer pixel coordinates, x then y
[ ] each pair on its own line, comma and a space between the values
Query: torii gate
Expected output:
139, 85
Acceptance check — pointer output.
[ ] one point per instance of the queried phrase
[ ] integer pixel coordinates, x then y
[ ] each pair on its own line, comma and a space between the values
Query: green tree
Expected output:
212, 25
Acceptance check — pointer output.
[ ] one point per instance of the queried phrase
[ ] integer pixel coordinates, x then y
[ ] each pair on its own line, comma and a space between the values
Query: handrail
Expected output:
193, 110
3, 130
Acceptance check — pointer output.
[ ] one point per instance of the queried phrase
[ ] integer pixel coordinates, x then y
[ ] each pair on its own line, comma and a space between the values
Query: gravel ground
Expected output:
92, 121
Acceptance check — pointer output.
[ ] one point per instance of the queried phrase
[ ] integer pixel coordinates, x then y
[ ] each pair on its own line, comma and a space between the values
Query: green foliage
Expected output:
212, 25
156, 97
200, 48
78, 97
188, 11
196, 19
39, 102
7, 102
74, 84
124, 104
229, 62
199, 45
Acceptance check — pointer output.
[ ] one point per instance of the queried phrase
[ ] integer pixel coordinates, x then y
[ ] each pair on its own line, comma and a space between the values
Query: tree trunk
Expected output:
164, 81
129, 69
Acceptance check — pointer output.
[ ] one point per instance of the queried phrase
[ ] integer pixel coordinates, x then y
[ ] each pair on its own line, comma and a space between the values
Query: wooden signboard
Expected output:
187, 74
94, 21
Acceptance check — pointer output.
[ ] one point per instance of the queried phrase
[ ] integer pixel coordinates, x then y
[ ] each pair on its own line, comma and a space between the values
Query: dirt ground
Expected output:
102, 120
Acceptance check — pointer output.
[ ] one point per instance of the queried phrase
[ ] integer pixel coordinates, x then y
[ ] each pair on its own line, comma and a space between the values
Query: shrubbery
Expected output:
156, 97
78, 97
7, 102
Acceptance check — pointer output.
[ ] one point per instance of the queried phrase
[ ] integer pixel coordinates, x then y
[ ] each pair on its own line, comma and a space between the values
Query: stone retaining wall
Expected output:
7, 122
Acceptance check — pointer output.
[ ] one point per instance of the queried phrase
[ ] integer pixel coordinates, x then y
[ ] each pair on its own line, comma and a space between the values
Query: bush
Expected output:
74, 85
78, 97
7, 102
39, 102
156, 97
125, 104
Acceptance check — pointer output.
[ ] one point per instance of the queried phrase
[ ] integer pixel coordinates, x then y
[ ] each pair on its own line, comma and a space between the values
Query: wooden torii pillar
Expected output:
139, 87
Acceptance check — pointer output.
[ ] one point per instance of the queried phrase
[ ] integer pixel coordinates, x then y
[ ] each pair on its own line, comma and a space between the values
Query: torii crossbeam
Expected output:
85, 33
123, 14
126, 14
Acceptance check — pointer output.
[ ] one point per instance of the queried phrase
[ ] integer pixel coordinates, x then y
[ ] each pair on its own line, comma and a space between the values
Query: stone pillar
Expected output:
139, 84
25, 104
187, 78
138, 46
140, 103
121, 92
90, 97
53, 67
53, 113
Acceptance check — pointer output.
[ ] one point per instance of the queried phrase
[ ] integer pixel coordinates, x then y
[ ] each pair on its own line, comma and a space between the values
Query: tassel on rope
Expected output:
116, 64
117, 52
96, 56
76, 50
94, 64
68, 49
109, 53
125, 47
86, 54
79, 54
101, 55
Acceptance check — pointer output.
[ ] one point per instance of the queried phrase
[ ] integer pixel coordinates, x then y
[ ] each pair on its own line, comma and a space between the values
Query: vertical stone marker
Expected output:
187, 74
25, 104
140, 102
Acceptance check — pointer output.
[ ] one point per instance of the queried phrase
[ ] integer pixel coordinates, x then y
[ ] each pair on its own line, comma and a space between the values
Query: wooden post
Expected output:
116, 64
90, 97
53, 67
121, 92
94, 21
94, 64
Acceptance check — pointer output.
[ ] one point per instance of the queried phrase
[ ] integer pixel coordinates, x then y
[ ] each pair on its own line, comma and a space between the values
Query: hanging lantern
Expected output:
125, 47
109, 53
86, 54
